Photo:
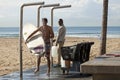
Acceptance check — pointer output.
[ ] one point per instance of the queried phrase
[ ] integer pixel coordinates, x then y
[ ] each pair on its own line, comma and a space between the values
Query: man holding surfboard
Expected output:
47, 34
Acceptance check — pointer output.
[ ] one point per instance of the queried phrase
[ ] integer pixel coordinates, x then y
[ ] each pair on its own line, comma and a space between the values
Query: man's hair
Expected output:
61, 20
45, 19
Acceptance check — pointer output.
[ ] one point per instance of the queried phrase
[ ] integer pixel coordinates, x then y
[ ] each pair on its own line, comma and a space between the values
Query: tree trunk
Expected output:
104, 28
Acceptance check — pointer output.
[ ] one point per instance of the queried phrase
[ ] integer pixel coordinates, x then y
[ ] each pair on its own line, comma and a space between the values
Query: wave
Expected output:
95, 35
9, 35
81, 33
113, 32
73, 33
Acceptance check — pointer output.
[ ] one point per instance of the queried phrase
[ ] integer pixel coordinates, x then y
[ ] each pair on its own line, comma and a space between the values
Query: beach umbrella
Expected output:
104, 27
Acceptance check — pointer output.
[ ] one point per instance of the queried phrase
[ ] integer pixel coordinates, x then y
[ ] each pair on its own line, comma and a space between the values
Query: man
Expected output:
60, 39
47, 34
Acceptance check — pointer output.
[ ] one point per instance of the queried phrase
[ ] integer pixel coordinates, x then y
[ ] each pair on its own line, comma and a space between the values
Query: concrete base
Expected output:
105, 67
106, 77
55, 74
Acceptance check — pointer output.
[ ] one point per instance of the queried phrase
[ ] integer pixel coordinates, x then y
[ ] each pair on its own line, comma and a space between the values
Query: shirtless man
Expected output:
47, 34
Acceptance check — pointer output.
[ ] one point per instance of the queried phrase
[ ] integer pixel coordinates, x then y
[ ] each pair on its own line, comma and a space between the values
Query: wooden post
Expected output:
104, 28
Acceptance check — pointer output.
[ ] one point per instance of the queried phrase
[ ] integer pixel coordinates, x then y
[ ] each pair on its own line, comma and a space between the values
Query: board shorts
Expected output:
47, 49
43, 51
38, 51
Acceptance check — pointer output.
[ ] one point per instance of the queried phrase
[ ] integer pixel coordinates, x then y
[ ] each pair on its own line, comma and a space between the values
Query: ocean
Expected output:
112, 32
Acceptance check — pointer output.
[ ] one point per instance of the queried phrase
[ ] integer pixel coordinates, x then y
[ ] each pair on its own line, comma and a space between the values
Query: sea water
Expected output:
74, 31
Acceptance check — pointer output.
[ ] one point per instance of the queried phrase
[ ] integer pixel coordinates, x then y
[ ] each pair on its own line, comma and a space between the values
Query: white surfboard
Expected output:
36, 42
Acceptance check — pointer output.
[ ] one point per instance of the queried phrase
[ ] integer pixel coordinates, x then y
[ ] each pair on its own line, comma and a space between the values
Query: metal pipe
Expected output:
64, 6
33, 4
44, 6
57, 7
20, 40
21, 31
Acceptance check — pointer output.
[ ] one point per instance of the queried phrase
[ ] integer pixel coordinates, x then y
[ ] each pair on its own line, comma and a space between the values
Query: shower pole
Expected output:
21, 31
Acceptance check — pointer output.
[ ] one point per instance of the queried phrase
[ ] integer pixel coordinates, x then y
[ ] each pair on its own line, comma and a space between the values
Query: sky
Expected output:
82, 12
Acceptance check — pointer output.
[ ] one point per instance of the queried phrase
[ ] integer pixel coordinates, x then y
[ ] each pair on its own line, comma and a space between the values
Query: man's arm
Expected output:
59, 34
32, 34
51, 33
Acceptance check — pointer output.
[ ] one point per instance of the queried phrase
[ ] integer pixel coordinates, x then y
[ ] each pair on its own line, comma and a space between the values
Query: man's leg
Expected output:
48, 64
47, 54
59, 52
38, 63
67, 64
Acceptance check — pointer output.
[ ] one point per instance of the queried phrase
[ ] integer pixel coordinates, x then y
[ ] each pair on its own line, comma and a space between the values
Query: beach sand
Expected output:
9, 52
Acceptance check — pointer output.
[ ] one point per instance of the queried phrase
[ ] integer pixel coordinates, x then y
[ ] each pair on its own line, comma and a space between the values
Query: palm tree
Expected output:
104, 27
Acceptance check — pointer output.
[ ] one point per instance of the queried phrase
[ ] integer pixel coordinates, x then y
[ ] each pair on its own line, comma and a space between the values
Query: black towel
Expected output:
83, 51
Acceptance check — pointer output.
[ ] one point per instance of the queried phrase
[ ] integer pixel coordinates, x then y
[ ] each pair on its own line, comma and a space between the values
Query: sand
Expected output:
9, 52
